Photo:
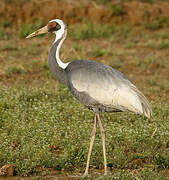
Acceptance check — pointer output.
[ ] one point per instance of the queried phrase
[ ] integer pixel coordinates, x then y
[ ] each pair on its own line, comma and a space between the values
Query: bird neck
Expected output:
56, 66
60, 37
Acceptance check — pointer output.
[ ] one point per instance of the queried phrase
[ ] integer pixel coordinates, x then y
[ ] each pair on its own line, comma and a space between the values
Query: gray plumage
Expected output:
85, 78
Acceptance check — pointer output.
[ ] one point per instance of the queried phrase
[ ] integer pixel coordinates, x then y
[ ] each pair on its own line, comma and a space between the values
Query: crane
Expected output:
97, 86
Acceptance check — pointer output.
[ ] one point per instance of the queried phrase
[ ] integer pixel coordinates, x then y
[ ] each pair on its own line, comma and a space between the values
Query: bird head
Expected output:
56, 26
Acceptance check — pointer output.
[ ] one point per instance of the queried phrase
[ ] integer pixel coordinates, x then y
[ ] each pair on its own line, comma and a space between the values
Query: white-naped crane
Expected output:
97, 86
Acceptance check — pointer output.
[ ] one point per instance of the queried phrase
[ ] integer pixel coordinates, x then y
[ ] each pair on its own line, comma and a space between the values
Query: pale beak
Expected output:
39, 31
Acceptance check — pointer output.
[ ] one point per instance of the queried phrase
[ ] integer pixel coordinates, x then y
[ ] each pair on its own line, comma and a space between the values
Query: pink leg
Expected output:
91, 145
103, 141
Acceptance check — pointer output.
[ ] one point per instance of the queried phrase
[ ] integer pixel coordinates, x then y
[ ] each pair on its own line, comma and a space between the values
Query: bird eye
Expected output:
53, 26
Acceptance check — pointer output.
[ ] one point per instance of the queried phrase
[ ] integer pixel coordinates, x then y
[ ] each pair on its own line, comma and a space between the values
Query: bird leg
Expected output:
103, 143
91, 145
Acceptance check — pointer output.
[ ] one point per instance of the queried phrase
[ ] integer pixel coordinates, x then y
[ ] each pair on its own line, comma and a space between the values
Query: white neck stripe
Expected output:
61, 34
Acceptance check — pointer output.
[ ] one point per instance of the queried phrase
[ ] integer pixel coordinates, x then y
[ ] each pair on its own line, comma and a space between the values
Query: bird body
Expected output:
97, 86
102, 88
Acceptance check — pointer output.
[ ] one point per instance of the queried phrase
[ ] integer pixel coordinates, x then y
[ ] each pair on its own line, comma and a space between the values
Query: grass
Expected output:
48, 128
153, 25
100, 52
17, 2
14, 70
164, 44
117, 10
9, 47
3, 34
88, 30
24, 29
5, 23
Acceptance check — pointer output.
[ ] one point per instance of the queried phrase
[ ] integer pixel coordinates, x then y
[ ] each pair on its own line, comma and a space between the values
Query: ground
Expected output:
44, 131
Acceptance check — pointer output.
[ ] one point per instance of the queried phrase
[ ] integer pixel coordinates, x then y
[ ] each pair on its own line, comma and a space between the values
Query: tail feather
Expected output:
147, 111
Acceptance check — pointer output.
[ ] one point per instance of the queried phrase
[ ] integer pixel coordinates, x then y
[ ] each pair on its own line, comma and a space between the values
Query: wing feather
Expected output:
110, 88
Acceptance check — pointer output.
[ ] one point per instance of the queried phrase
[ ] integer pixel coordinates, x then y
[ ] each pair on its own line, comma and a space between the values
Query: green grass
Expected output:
100, 52
24, 29
16, 2
14, 70
5, 23
47, 127
117, 9
153, 25
3, 34
164, 44
9, 47
89, 30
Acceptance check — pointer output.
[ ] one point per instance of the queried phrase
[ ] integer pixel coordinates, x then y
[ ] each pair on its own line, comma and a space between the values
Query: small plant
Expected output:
164, 44
163, 35
124, 31
16, 1
14, 70
102, 1
161, 161
5, 23
154, 25
25, 29
45, 65
148, 62
166, 22
9, 47
3, 34
77, 47
99, 52
117, 10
